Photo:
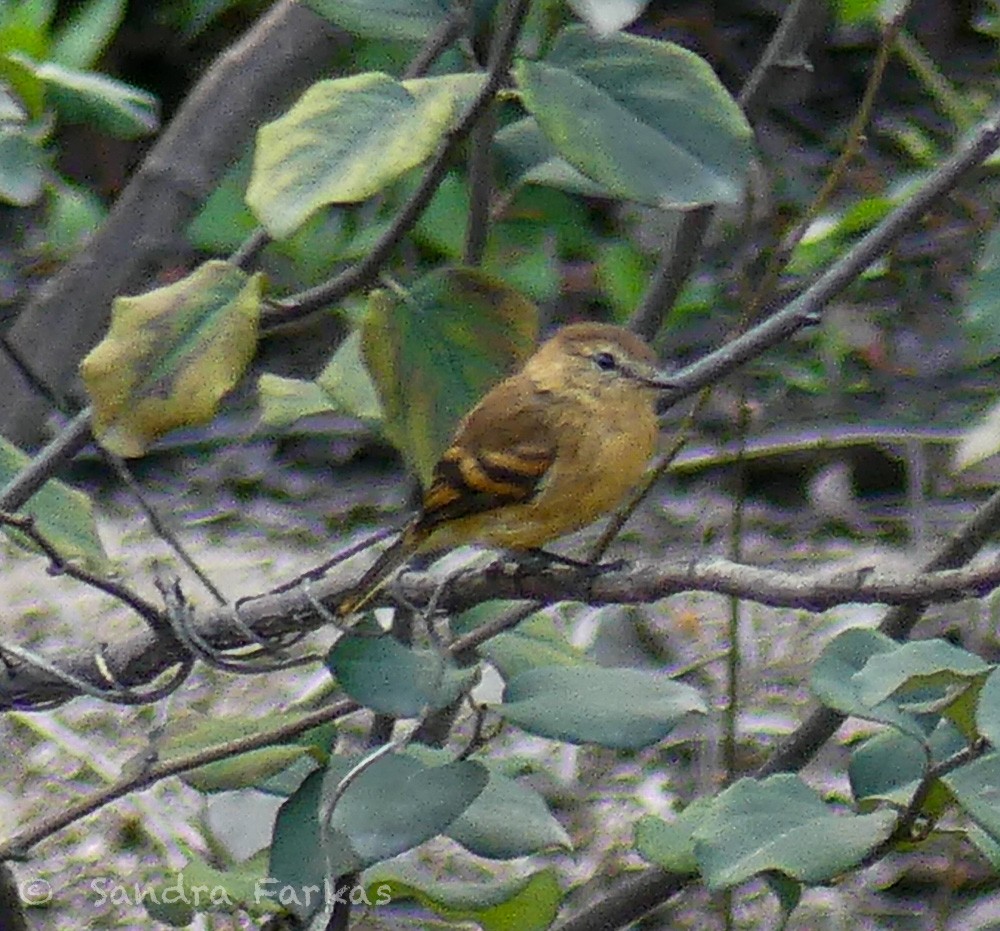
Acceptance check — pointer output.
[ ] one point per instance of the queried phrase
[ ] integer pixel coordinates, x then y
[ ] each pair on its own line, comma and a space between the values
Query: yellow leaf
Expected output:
171, 355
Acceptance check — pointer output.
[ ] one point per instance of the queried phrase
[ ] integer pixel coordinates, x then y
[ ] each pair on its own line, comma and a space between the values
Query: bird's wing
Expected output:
498, 457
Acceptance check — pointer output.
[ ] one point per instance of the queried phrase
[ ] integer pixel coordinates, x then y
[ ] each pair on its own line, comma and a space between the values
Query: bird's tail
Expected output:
381, 570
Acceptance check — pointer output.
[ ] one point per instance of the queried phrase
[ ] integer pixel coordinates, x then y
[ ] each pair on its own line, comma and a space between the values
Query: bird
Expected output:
544, 453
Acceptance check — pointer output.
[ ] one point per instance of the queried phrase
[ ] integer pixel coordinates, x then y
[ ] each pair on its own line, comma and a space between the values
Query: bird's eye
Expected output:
604, 361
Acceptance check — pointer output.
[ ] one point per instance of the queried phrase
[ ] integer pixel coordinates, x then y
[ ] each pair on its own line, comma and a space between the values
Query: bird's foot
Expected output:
543, 560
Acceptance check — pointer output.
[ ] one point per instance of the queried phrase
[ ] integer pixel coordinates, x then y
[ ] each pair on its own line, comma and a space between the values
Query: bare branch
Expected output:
288, 611
806, 310
61, 566
24, 840
71, 439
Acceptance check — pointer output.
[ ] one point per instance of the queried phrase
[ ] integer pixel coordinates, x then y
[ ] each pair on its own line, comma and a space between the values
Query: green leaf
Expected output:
63, 515
670, 844
535, 160
988, 709
34, 14
390, 678
412, 20
976, 788
23, 166
344, 385
79, 41
347, 139
986, 845
87, 97
648, 120
888, 767
623, 272
210, 889
788, 893
441, 226
434, 352
833, 681
853, 12
296, 864
224, 220
246, 770
508, 820
981, 313
73, 214
170, 356
283, 401
922, 675
347, 382
192, 733
781, 825
535, 642
397, 804
620, 708
528, 903
24, 28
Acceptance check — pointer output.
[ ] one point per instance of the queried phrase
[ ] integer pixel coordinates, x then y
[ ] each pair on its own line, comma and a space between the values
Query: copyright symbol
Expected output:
36, 892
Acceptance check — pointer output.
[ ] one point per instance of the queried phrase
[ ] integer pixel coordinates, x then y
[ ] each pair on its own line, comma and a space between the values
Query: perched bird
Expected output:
545, 452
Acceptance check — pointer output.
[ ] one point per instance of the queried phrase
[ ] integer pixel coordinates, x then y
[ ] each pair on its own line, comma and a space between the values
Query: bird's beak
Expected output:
653, 377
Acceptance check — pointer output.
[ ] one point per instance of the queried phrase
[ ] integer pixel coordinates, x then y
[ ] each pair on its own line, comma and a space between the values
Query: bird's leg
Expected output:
420, 563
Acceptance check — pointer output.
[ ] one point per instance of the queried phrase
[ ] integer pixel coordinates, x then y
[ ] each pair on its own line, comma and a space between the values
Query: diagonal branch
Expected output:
806, 310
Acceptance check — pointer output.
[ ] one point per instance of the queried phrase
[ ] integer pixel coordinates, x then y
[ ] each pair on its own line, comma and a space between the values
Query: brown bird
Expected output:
544, 453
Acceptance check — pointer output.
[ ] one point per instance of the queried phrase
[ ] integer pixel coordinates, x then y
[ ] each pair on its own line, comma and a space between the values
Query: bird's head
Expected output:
598, 359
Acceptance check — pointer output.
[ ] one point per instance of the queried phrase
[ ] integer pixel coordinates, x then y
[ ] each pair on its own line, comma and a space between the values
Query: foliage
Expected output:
369, 164
46, 80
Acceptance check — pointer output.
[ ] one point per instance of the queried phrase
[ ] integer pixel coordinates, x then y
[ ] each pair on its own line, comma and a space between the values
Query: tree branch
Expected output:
139, 660
806, 310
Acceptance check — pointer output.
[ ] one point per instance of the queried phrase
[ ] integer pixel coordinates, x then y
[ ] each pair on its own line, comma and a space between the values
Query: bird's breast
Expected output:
600, 457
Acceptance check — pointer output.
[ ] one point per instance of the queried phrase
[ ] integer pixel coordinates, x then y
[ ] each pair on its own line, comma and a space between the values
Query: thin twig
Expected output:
19, 844
71, 439
680, 256
788, 34
677, 259
908, 817
115, 694
249, 250
480, 188
124, 474
437, 43
61, 566
855, 134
